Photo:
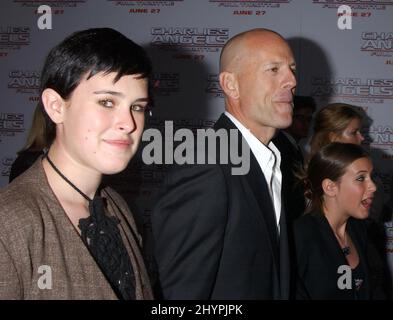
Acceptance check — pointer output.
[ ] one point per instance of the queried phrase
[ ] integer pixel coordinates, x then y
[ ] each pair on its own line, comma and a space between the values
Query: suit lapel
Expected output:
285, 272
256, 182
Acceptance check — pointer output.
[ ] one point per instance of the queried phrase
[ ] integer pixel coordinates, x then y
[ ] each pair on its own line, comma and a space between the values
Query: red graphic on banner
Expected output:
249, 12
51, 3
55, 11
355, 4
145, 6
246, 6
143, 10
356, 14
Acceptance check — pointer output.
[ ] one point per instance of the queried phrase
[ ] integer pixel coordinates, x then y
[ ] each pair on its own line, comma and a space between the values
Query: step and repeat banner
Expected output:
342, 56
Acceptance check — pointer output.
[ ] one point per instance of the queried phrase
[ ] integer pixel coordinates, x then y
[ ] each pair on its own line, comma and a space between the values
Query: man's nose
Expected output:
290, 80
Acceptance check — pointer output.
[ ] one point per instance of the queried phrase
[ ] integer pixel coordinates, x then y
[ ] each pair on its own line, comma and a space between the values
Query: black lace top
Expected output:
102, 237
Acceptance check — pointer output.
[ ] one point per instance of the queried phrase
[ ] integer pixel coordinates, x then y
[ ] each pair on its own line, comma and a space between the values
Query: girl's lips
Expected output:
119, 143
367, 203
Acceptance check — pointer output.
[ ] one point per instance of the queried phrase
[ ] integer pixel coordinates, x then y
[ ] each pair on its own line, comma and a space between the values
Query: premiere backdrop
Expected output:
184, 39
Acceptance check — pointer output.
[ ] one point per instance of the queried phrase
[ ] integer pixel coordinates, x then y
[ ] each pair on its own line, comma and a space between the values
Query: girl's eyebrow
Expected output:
114, 93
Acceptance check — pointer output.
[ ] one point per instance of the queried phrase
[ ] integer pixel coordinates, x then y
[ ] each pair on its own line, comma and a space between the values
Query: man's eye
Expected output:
106, 103
274, 69
138, 108
361, 178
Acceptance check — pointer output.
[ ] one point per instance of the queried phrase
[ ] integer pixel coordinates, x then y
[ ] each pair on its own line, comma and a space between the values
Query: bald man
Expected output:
219, 235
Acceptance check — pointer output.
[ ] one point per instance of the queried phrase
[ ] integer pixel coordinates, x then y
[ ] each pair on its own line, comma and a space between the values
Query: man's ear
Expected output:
229, 84
329, 187
54, 105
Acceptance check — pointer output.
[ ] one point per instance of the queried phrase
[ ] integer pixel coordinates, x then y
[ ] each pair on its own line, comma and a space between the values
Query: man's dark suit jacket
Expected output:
216, 235
293, 199
293, 191
319, 257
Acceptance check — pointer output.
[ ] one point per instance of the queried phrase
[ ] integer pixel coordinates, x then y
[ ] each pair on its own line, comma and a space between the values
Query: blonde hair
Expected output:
333, 118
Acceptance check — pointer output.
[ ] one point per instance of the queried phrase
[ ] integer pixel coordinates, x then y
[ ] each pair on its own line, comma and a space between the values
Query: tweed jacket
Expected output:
42, 255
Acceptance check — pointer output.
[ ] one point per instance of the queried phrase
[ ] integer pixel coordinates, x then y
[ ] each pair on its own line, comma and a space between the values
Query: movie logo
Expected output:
52, 3
250, 4
381, 137
145, 6
189, 38
353, 90
355, 4
24, 81
14, 37
378, 44
146, 3
166, 84
11, 123
213, 87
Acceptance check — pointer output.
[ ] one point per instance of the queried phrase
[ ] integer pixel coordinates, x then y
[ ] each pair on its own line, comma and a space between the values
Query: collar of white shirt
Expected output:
269, 160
